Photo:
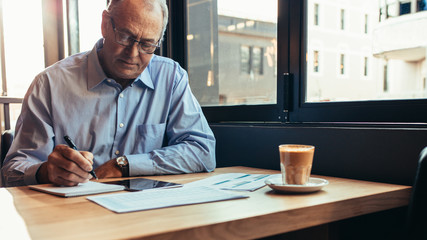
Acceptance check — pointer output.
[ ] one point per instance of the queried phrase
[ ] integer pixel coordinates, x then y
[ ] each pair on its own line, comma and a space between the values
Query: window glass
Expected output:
375, 55
20, 50
90, 16
23, 53
231, 51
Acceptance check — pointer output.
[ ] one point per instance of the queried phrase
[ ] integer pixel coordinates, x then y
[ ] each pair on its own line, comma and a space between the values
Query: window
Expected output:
83, 24
316, 61
342, 19
316, 14
245, 56
251, 60
90, 15
46, 24
385, 78
304, 64
366, 24
235, 44
365, 66
257, 60
342, 64
421, 5
405, 7
20, 53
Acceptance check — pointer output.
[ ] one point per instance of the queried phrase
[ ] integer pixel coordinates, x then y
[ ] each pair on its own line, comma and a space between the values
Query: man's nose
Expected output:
133, 49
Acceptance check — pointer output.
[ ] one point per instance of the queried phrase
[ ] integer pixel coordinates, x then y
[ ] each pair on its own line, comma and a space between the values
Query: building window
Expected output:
257, 53
342, 19
422, 5
405, 8
316, 61
342, 64
251, 60
365, 66
245, 56
366, 24
385, 78
316, 14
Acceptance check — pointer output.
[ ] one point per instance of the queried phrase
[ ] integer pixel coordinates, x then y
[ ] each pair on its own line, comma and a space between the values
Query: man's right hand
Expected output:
66, 166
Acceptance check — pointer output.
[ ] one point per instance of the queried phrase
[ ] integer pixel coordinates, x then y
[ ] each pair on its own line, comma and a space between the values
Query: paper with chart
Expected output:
234, 181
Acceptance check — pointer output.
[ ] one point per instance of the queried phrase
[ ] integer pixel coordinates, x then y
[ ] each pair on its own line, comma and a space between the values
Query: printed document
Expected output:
161, 198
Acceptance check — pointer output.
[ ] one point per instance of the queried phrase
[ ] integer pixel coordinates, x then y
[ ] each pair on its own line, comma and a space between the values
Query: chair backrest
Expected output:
417, 210
6, 140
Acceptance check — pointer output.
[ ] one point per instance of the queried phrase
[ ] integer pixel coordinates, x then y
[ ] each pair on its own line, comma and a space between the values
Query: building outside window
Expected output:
405, 7
342, 64
342, 19
422, 5
316, 14
316, 61
245, 56
385, 78
366, 24
365, 66
257, 60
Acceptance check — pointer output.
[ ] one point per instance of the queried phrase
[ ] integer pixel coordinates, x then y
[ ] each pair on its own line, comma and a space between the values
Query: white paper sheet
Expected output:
161, 198
234, 181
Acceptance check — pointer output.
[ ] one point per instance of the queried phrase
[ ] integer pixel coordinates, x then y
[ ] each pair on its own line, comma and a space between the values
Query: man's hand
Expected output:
66, 166
109, 170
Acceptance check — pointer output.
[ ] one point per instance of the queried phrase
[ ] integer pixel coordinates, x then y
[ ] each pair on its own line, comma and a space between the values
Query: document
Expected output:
161, 198
79, 190
234, 181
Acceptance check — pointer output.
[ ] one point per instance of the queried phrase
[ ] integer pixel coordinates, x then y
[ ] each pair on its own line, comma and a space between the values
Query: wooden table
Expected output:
262, 214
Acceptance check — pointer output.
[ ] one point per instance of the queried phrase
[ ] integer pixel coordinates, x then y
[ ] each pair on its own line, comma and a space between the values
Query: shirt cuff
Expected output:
30, 174
140, 164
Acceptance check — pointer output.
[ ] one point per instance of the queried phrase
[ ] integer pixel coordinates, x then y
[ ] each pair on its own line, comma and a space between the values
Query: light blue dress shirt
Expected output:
156, 122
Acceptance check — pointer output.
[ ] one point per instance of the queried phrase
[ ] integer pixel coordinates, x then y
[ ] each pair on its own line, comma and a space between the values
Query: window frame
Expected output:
291, 81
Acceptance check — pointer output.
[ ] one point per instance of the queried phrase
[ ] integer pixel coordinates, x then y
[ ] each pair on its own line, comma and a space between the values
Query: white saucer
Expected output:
313, 185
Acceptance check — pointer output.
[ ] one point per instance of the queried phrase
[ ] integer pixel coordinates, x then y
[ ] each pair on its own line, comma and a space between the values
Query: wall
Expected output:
381, 154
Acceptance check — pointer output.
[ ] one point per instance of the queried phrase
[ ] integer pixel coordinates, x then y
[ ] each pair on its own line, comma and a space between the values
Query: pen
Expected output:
73, 146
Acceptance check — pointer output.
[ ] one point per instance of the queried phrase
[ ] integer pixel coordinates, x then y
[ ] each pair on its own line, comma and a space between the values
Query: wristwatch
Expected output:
123, 164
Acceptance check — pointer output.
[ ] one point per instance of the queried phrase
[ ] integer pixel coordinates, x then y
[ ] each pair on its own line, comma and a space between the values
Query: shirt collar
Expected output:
96, 74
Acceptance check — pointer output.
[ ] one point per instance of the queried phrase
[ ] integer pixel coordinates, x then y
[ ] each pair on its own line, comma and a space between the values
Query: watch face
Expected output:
121, 161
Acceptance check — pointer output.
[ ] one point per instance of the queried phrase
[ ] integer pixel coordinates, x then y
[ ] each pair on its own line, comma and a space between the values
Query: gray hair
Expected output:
163, 6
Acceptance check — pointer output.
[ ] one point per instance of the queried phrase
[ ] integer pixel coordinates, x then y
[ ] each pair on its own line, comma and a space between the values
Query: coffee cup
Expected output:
295, 163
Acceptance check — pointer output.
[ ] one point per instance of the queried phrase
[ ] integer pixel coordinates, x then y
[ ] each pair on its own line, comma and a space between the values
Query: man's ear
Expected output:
105, 22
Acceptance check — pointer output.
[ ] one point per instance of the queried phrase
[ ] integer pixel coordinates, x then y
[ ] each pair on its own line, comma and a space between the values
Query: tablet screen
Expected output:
138, 184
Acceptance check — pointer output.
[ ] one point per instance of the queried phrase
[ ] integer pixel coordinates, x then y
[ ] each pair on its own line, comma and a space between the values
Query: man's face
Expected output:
127, 62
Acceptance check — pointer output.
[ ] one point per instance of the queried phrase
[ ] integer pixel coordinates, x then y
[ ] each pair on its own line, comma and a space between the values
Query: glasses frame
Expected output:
140, 49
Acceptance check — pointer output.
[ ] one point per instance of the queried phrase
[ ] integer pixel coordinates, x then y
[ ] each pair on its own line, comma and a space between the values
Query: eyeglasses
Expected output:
125, 40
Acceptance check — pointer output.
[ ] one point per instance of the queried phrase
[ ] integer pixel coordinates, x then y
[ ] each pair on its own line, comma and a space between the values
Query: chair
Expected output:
6, 140
417, 209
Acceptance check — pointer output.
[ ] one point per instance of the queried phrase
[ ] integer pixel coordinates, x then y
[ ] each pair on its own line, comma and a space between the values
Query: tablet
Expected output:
139, 184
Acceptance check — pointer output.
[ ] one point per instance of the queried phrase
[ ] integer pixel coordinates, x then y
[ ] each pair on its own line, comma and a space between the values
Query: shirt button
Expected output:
109, 80
121, 95
117, 152
121, 125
